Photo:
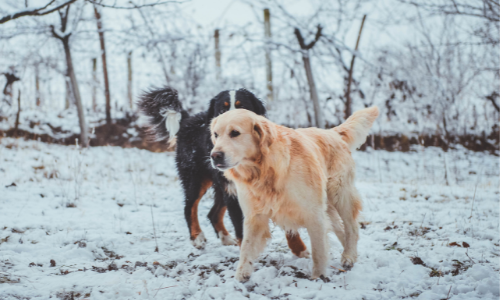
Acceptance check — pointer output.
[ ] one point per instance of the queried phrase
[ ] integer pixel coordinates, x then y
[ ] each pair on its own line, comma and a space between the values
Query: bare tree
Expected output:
64, 36
104, 65
320, 121
348, 109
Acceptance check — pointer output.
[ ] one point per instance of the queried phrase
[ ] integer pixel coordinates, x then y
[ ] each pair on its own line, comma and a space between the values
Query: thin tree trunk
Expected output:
318, 115
104, 65
37, 85
269, 64
348, 102
218, 71
320, 121
69, 93
18, 113
94, 84
71, 73
76, 93
129, 83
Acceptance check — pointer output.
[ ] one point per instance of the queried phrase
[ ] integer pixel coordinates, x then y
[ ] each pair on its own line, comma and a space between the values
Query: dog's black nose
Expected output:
217, 157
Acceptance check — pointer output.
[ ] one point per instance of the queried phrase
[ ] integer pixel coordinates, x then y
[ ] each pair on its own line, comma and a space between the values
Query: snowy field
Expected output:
84, 224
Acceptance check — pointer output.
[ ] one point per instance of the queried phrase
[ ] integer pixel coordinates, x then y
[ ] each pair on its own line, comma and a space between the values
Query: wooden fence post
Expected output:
267, 47
37, 84
218, 71
16, 126
129, 83
94, 84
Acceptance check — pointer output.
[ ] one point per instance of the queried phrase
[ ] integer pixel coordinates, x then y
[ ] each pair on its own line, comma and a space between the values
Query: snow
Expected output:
100, 213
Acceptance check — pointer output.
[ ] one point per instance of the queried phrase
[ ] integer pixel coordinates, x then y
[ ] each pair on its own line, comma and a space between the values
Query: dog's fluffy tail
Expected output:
164, 113
355, 129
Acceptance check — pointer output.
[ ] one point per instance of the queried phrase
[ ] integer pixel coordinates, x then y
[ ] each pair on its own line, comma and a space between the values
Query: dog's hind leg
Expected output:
194, 191
317, 228
348, 207
216, 216
296, 244
337, 224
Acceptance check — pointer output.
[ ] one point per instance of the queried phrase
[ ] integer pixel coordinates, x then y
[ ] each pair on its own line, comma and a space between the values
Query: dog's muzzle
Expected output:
218, 160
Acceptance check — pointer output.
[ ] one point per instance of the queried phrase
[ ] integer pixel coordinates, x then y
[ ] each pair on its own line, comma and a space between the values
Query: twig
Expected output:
160, 288
422, 221
475, 188
154, 229
167, 287
448, 296
421, 224
467, 253
341, 270
135, 6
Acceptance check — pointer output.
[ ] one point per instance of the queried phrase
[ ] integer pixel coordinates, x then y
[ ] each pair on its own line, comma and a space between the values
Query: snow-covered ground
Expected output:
84, 224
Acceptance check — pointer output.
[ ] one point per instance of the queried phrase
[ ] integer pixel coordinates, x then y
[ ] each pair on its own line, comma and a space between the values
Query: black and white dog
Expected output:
167, 119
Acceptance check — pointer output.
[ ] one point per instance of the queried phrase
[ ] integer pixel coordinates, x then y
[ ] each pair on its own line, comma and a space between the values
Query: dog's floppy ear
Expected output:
265, 132
258, 105
211, 109
260, 108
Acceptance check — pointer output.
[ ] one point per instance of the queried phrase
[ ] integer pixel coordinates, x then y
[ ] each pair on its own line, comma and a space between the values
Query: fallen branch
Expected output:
341, 270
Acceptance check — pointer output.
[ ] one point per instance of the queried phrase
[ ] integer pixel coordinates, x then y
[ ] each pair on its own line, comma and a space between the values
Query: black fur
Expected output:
194, 146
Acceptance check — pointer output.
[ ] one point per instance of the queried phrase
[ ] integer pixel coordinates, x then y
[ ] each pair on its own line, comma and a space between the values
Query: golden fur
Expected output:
296, 178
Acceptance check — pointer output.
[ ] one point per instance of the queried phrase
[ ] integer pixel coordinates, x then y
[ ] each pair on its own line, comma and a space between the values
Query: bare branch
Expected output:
135, 6
299, 38
487, 11
492, 98
302, 44
36, 12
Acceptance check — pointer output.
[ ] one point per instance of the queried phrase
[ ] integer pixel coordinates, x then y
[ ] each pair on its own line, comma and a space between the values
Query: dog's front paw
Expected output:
227, 240
200, 241
243, 272
318, 273
304, 254
347, 261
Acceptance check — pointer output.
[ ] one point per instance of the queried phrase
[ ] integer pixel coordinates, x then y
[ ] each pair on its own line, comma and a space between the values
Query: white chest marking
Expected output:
232, 99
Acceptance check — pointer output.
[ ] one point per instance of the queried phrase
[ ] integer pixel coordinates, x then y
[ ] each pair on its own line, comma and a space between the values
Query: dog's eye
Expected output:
234, 133
215, 134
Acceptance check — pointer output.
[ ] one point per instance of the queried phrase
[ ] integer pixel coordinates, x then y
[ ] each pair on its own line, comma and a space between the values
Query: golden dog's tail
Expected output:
355, 129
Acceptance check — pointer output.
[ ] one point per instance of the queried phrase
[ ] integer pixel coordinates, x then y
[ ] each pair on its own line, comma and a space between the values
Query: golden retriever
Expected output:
297, 178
